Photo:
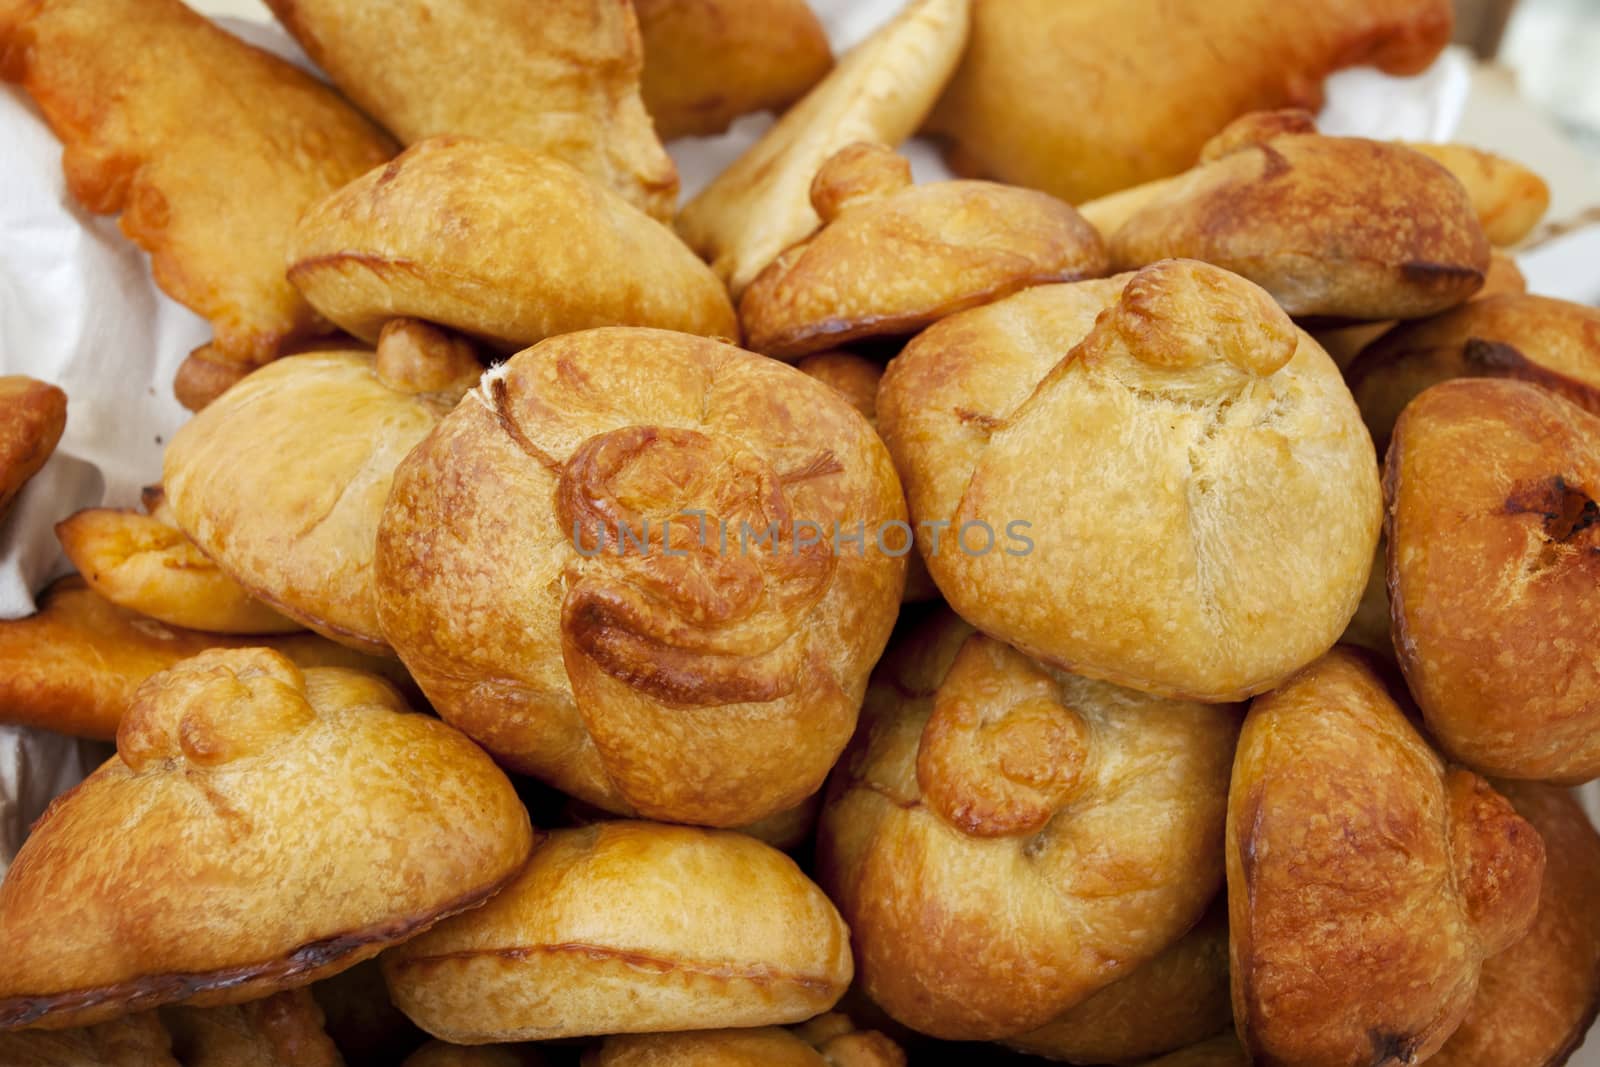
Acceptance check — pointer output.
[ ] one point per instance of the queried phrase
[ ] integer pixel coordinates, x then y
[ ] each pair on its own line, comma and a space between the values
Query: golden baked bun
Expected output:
440, 1054
33, 415
1537, 1000
561, 81
1006, 839
1218, 1052
1508, 198
629, 927
74, 665
892, 257
500, 243
267, 827
827, 1041
1154, 479
1367, 882
283, 1030
1177, 999
282, 479
1333, 227
706, 62
880, 92
131, 1041
707, 678
1494, 540
1082, 99
1551, 343
207, 147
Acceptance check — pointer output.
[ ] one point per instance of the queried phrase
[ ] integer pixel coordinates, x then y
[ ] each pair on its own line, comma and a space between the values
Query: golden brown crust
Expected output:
32, 416
270, 827
209, 149
1179, 403
563, 84
1494, 553
707, 63
1367, 883
499, 243
131, 1041
205, 375
892, 258
715, 684
1083, 99
629, 927
1508, 198
827, 1041
980, 833
283, 1030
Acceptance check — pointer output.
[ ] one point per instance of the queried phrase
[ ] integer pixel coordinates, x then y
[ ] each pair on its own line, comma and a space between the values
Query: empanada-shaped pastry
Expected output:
283, 1030
1333, 227
1509, 199
1494, 555
892, 257
1177, 999
1218, 1052
1006, 839
131, 1041
1552, 343
880, 92
282, 479
440, 1054
1154, 479
500, 243
706, 62
209, 148
32, 416
1537, 1000
827, 1041
1082, 99
561, 79
615, 566
1367, 882
629, 927
143, 562
73, 666
266, 827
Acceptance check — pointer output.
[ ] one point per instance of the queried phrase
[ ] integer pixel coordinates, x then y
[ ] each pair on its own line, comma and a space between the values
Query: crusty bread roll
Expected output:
630, 927
33, 415
283, 1030
1006, 839
1367, 882
131, 1041
1508, 198
500, 243
828, 1041
690, 667
266, 827
1154, 479
282, 479
1494, 541
891, 257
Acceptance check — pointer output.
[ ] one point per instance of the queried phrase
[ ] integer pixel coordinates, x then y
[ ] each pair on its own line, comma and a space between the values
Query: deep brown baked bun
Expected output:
893, 257
500, 243
1551, 343
1006, 839
630, 927
696, 673
440, 1054
283, 1030
1367, 882
33, 415
1494, 549
1154, 479
281, 480
267, 826
827, 1041
130, 1041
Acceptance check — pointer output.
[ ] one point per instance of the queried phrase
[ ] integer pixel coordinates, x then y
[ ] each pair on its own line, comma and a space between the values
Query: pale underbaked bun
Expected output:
880, 92
32, 416
1367, 882
268, 827
630, 927
1179, 405
142, 561
706, 62
1174, 1001
500, 243
1552, 343
281, 480
1082, 99
74, 665
1005, 839
283, 1030
1218, 1052
440, 1054
1508, 198
892, 257
1334, 228
1537, 1000
131, 1041
562, 80
827, 1041
715, 684
1494, 544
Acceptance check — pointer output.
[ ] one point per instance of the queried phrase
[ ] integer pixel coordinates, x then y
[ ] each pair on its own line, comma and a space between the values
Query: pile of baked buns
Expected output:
839, 620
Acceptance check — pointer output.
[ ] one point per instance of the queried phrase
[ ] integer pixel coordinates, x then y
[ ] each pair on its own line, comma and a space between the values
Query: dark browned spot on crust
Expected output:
501, 395
379, 265
988, 423
1441, 274
1391, 1048
1567, 511
1274, 164
1492, 355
